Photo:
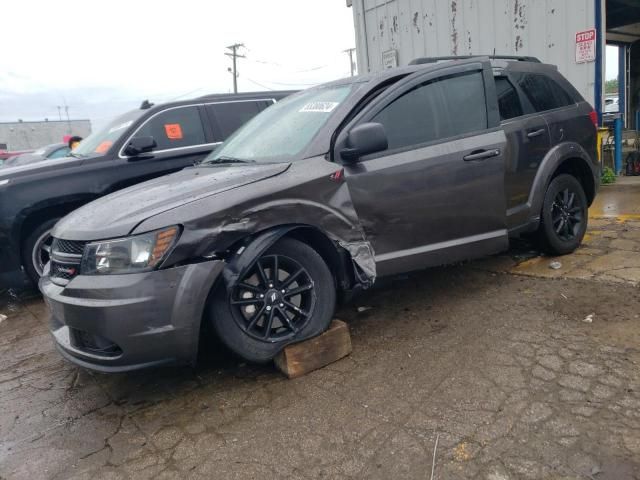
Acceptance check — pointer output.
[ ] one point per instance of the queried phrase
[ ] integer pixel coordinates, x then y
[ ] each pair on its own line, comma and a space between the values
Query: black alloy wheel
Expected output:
567, 215
564, 215
287, 295
275, 299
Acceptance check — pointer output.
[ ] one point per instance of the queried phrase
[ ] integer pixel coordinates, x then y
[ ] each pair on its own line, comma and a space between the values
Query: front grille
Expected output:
66, 256
63, 271
68, 246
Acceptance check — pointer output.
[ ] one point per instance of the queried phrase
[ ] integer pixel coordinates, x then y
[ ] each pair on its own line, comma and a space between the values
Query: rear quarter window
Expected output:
508, 99
543, 92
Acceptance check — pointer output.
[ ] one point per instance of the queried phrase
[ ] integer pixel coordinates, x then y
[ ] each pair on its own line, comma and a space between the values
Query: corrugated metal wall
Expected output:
542, 28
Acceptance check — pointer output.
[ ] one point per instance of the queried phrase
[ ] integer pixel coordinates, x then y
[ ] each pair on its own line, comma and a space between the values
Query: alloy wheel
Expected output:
41, 252
274, 300
567, 214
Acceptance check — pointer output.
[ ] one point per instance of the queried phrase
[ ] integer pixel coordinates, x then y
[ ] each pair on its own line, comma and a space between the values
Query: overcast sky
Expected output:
105, 57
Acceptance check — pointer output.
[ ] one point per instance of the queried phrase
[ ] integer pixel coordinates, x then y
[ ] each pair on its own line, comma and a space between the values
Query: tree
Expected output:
611, 86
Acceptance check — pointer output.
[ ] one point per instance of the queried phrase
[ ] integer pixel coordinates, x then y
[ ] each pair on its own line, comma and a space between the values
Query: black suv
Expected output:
137, 146
319, 195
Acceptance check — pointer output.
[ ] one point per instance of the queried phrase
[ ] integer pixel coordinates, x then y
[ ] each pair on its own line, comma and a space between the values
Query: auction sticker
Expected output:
319, 107
173, 131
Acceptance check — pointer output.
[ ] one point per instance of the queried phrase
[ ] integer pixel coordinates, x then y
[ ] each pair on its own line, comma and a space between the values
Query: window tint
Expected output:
176, 127
436, 110
543, 92
508, 100
59, 153
231, 116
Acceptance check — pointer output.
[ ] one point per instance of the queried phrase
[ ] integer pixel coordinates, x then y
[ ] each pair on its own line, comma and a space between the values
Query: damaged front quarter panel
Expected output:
250, 219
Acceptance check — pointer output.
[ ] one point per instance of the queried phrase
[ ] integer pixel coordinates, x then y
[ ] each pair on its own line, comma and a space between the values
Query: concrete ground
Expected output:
486, 370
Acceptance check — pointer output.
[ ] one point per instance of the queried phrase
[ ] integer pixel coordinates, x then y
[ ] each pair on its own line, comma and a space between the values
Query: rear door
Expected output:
227, 117
436, 195
528, 142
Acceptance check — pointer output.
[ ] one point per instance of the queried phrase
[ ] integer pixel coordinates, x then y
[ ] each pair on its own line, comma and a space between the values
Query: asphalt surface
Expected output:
490, 364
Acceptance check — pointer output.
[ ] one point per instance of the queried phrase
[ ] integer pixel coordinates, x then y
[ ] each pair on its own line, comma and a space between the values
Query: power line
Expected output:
234, 55
260, 85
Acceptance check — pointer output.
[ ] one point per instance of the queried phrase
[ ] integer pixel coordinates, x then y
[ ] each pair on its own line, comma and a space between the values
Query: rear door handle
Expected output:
536, 133
481, 155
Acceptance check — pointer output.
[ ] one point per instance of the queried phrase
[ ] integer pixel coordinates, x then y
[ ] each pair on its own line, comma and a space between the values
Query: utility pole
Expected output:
59, 113
351, 64
66, 110
234, 55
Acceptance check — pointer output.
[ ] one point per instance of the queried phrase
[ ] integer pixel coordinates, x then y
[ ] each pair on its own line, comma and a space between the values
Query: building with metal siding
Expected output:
32, 135
389, 31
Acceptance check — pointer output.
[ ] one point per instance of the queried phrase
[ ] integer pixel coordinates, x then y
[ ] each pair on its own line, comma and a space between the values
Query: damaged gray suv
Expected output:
319, 195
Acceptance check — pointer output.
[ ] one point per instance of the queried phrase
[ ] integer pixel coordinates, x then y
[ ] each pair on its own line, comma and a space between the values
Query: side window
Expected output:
59, 153
508, 100
173, 128
232, 115
543, 93
436, 110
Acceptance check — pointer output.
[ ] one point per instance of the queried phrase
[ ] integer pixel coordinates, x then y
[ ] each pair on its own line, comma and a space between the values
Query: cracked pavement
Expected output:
491, 358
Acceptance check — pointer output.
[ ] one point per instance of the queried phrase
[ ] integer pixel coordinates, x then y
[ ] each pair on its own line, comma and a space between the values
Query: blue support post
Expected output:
617, 135
637, 120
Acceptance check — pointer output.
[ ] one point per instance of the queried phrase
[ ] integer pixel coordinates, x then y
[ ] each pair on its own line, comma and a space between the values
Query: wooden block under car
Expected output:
301, 358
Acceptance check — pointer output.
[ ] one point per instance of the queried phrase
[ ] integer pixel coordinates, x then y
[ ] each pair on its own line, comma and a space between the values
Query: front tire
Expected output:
288, 295
36, 249
564, 217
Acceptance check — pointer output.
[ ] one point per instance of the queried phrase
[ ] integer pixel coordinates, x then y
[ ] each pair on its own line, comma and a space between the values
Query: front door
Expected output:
436, 195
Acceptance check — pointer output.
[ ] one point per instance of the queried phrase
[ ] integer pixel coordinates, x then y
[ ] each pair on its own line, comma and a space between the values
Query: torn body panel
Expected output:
265, 211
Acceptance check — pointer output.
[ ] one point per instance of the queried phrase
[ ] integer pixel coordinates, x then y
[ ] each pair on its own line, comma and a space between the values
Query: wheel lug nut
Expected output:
282, 304
271, 285
268, 308
283, 291
262, 295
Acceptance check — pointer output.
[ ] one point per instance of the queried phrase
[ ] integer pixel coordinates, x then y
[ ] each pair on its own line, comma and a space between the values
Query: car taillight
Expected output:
593, 115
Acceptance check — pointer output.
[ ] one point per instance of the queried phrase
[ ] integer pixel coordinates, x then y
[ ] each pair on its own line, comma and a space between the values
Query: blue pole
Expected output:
617, 134
622, 82
599, 53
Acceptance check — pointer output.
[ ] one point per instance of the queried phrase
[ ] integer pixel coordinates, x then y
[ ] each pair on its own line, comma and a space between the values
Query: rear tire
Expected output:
35, 250
250, 319
564, 216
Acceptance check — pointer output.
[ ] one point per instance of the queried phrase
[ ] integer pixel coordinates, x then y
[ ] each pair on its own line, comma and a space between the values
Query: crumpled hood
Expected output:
117, 214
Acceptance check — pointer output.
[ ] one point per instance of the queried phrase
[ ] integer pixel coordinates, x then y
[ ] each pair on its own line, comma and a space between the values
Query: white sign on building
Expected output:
586, 46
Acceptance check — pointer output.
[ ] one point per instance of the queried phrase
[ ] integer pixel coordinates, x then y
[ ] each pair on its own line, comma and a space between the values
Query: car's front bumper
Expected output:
116, 323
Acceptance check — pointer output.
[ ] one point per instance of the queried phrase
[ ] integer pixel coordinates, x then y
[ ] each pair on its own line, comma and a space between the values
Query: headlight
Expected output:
140, 253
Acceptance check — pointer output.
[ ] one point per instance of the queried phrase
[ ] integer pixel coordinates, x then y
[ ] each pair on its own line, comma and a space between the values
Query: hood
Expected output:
116, 215
8, 171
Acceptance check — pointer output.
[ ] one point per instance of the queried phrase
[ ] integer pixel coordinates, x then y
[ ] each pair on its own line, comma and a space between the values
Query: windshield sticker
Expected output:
103, 147
173, 131
120, 127
319, 107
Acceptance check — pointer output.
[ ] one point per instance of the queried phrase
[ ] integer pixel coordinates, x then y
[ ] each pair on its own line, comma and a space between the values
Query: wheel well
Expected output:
335, 257
579, 169
36, 218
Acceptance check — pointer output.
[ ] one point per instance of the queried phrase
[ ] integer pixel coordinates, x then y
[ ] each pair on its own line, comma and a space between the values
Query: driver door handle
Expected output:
481, 155
536, 133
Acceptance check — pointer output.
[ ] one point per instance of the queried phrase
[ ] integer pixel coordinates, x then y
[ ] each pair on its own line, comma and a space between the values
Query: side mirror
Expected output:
363, 140
138, 145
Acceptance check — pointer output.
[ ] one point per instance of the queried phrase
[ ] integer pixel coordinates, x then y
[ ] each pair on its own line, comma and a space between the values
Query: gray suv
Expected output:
318, 196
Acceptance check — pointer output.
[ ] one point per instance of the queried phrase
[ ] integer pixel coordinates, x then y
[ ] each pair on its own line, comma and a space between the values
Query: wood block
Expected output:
301, 358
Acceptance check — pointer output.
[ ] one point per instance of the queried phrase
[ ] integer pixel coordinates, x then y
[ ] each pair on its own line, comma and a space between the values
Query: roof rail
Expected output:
420, 61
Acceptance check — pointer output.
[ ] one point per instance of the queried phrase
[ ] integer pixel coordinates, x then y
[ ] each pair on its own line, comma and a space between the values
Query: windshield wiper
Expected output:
225, 159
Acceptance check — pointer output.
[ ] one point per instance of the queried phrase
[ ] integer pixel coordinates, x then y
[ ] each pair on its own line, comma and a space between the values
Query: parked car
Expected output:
48, 152
317, 196
139, 145
7, 154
